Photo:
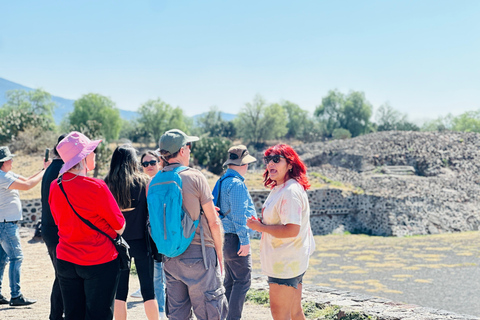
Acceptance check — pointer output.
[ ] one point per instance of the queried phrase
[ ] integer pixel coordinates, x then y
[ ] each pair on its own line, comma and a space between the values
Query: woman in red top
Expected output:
88, 268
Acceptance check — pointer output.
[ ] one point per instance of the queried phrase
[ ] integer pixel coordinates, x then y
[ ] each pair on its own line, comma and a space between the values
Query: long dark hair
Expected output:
124, 173
298, 171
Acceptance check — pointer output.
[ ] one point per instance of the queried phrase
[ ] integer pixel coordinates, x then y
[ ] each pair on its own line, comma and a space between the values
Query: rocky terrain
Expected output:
428, 181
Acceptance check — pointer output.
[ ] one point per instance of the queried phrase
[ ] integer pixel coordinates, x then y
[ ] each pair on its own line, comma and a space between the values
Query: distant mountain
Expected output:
225, 116
64, 106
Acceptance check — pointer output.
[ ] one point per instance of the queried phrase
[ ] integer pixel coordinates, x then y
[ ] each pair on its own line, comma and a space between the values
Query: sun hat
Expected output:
172, 140
239, 156
5, 154
73, 148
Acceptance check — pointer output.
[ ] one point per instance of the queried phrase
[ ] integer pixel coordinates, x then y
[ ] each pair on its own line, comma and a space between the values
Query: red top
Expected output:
91, 198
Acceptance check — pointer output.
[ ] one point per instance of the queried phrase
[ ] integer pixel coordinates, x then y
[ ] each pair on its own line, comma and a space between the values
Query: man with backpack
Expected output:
236, 206
186, 229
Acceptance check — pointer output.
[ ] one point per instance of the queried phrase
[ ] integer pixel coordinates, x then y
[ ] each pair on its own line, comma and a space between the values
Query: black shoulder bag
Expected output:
120, 244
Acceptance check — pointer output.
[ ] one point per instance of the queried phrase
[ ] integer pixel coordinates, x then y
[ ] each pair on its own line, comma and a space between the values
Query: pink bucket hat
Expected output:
73, 148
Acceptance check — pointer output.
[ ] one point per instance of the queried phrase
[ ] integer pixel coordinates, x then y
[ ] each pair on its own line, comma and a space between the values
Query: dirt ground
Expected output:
37, 279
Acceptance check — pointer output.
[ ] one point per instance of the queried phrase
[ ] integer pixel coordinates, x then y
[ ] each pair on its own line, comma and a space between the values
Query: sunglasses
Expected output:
276, 158
147, 163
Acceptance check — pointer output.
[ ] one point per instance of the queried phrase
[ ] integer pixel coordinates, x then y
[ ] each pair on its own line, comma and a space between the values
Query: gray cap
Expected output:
173, 140
5, 154
239, 156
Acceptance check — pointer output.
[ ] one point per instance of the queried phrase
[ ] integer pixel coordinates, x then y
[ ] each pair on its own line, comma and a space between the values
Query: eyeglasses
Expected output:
276, 158
147, 163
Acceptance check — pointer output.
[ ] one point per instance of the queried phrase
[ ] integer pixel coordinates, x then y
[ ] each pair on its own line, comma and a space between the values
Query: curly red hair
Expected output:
298, 172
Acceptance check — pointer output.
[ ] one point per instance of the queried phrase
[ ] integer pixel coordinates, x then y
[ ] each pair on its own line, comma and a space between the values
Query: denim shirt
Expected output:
237, 203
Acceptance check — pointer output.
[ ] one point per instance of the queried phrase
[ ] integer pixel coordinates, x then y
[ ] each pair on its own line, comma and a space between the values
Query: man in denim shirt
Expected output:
236, 206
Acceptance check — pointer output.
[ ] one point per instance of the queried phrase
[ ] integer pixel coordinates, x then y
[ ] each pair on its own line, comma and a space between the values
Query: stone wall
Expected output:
32, 212
336, 210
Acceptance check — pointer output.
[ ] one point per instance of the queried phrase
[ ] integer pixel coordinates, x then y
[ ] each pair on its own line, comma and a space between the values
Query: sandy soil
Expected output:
37, 279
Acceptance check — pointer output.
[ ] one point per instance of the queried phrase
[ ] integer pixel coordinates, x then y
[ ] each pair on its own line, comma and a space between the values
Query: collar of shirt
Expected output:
234, 173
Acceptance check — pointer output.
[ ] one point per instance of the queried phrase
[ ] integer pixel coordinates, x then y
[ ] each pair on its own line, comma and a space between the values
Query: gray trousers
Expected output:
238, 272
189, 285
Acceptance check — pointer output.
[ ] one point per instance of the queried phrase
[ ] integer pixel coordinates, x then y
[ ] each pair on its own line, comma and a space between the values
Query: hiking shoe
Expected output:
21, 301
3, 300
136, 294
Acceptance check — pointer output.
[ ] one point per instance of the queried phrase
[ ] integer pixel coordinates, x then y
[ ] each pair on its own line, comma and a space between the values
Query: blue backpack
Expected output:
172, 228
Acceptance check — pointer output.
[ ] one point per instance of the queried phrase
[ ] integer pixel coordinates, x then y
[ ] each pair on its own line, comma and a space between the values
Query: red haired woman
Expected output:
287, 239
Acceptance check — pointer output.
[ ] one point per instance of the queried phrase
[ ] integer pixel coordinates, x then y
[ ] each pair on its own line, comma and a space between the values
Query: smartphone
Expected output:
47, 152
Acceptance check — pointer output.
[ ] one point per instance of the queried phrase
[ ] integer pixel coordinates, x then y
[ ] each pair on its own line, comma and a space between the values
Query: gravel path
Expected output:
37, 279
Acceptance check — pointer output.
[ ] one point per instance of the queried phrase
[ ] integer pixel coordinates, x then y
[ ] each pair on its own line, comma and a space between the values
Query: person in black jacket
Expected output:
50, 230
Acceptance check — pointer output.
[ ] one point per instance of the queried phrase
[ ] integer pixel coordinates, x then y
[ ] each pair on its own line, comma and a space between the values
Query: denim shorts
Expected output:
291, 282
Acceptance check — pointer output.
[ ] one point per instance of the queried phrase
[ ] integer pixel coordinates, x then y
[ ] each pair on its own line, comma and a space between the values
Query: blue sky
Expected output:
421, 56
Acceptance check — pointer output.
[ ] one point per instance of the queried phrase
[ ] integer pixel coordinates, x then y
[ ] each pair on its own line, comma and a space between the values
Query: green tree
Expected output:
439, 124
100, 109
25, 110
351, 112
37, 101
257, 122
297, 118
156, 117
13, 122
213, 124
467, 122
387, 118
211, 152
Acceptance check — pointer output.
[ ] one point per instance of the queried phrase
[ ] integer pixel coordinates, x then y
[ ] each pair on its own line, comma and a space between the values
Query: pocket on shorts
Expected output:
191, 262
216, 304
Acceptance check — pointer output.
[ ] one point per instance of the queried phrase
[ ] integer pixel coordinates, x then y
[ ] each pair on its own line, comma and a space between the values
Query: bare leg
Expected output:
151, 309
281, 301
120, 310
297, 310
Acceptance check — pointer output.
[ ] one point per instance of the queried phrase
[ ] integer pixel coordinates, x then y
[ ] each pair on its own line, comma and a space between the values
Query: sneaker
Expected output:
3, 300
163, 316
21, 301
136, 294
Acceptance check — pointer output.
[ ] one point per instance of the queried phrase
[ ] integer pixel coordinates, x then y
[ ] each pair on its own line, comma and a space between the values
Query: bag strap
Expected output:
87, 222
220, 194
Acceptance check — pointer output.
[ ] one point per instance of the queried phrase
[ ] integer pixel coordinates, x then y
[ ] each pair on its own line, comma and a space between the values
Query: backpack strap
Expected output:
222, 214
177, 170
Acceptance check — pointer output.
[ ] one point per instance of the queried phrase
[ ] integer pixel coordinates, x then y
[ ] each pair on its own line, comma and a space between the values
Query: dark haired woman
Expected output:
128, 186
287, 239
151, 164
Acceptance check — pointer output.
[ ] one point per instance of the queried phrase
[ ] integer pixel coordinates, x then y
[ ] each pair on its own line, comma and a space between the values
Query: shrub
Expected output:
211, 152
341, 133
33, 140
12, 122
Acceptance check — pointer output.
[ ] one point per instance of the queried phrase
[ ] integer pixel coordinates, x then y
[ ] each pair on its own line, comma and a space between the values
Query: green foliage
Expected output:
257, 122
25, 110
390, 119
102, 110
156, 117
312, 310
260, 297
211, 152
33, 140
15, 121
351, 112
439, 124
341, 133
213, 125
37, 101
